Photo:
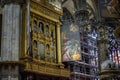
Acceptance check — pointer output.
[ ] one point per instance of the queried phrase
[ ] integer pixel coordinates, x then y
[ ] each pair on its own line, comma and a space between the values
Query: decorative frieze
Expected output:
45, 10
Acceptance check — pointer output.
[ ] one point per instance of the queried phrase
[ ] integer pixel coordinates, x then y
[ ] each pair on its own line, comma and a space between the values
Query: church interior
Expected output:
59, 40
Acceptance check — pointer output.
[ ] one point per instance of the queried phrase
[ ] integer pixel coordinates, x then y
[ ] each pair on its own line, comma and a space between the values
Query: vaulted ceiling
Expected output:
70, 6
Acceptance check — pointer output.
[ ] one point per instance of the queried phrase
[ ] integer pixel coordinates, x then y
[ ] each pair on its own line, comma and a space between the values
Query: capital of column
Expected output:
4, 2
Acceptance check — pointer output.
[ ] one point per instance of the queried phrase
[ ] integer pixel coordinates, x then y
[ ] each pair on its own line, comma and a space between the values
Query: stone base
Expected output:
9, 72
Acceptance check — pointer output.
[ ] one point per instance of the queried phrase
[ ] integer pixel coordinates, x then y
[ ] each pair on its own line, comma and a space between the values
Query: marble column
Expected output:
10, 39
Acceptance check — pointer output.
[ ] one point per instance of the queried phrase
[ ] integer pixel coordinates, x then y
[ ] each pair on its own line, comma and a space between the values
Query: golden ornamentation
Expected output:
42, 11
45, 69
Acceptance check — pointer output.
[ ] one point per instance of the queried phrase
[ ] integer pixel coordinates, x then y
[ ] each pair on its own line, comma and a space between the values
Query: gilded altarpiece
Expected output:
43, 56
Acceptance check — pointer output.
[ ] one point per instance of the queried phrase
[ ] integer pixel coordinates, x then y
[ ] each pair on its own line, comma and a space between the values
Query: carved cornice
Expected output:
4, 2
45, 9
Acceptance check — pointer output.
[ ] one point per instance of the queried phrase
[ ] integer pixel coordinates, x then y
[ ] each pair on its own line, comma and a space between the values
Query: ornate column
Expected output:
10, 39
58, 44
107, 68
102, 45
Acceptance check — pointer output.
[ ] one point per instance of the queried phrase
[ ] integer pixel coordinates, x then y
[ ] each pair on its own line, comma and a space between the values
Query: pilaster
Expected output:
58, 44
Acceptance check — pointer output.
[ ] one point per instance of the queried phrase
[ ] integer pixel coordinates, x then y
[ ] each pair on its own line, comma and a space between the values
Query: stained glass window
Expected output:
113, 47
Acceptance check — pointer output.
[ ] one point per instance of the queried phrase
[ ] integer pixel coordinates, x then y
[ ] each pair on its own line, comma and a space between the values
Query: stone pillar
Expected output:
10, 39
102, 45
10, 31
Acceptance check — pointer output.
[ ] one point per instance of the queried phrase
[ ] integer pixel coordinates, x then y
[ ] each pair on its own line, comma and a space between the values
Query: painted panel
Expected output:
70, 39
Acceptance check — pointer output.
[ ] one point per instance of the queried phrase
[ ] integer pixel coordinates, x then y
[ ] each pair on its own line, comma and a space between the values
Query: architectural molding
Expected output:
3, 2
